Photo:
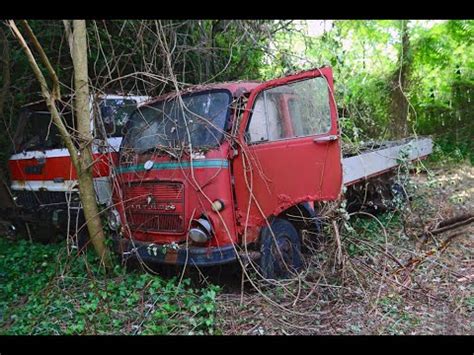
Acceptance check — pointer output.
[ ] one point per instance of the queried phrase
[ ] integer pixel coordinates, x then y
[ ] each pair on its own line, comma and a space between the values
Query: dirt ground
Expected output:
401, 283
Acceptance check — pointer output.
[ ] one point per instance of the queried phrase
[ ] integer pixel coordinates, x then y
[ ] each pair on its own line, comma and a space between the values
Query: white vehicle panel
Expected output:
371, 163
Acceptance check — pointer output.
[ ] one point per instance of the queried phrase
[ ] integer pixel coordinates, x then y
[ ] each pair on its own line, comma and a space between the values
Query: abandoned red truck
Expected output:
214, 170
43, 181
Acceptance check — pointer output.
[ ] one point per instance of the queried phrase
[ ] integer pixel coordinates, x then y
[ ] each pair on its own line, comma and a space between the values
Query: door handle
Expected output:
324, 139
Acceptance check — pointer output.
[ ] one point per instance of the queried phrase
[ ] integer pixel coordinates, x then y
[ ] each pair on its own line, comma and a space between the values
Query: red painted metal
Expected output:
156, 206
287, 126
202, 186
236, 88
58, 167
285, 173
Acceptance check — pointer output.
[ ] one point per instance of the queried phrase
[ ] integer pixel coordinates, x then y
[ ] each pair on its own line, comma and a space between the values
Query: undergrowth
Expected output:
448, 151
42, 291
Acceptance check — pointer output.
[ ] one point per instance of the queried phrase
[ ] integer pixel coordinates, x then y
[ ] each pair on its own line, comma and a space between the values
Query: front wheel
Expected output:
280, 251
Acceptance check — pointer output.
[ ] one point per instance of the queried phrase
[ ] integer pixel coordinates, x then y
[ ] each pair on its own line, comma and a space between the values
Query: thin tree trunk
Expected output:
399, 104
5, 59
85, 139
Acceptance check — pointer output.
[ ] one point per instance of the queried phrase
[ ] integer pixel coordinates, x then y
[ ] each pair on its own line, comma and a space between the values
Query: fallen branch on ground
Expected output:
466, 278
449, 224
414, 262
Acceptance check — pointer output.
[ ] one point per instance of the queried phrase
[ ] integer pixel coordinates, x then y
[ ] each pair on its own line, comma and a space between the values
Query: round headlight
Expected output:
114, 220
198, 235
202, 232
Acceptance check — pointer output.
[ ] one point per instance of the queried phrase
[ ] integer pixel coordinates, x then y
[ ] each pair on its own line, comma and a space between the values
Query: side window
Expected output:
265, 121
295, 110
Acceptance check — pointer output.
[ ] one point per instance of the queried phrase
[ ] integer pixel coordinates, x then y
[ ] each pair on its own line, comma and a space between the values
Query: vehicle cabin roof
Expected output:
66, 101
237, 88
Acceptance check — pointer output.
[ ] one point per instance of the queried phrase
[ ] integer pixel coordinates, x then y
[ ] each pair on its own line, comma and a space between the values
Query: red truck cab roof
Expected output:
236, 88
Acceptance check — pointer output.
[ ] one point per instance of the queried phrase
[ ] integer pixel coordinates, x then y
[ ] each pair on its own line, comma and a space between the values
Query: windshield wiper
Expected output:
160, 149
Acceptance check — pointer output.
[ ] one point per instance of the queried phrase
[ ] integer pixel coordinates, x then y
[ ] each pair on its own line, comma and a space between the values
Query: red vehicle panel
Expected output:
207, 180
57, 167
275, 175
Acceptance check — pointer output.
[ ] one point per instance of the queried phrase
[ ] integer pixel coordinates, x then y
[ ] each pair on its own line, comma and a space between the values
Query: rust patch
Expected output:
171, 256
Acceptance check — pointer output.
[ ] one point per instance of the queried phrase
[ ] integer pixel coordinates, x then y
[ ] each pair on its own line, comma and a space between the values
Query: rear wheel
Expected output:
38, 232
280, 250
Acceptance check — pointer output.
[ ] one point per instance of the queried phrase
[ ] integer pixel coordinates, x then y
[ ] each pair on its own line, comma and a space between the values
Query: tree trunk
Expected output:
399, 104
85, 139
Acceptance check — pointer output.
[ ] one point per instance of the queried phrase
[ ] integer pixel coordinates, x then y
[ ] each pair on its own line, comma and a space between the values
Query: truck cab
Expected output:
43, 180
214, 171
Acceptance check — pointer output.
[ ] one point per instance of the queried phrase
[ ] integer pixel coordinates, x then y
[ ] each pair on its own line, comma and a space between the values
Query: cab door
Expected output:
289, 148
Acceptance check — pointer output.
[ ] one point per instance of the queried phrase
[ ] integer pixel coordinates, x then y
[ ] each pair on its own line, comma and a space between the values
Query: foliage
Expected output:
130, 55
42, 291
364, 56
370, 230
447, 151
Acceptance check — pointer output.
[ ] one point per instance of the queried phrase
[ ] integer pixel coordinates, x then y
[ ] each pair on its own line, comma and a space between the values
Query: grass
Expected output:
42, 291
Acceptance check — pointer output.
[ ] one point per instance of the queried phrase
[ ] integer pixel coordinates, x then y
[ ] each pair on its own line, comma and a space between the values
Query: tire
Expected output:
398, 191
83, 239
39, 233
279, 265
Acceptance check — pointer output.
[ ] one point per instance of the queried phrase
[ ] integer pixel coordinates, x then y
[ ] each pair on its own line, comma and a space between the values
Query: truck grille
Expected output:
155, 206
36, 199
155, 222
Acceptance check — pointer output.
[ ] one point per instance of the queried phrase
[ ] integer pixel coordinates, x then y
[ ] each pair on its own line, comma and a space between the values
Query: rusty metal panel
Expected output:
155, 206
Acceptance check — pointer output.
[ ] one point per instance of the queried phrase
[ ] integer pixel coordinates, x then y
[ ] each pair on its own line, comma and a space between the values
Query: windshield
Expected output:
200, 117
37, 131
114, 114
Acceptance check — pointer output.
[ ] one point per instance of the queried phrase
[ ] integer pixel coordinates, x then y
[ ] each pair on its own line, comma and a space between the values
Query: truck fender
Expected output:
303, 216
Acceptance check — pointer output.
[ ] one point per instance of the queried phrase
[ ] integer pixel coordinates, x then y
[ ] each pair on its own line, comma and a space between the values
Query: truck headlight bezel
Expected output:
201, 232
114, 220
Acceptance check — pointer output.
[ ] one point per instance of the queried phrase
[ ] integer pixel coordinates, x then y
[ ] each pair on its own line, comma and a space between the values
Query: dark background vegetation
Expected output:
430, 61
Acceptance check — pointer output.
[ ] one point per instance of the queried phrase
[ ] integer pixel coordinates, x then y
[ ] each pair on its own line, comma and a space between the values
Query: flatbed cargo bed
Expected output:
377, 158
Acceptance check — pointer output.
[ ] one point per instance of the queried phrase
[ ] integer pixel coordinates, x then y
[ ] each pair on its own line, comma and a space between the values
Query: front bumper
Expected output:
161, 254
56, 218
